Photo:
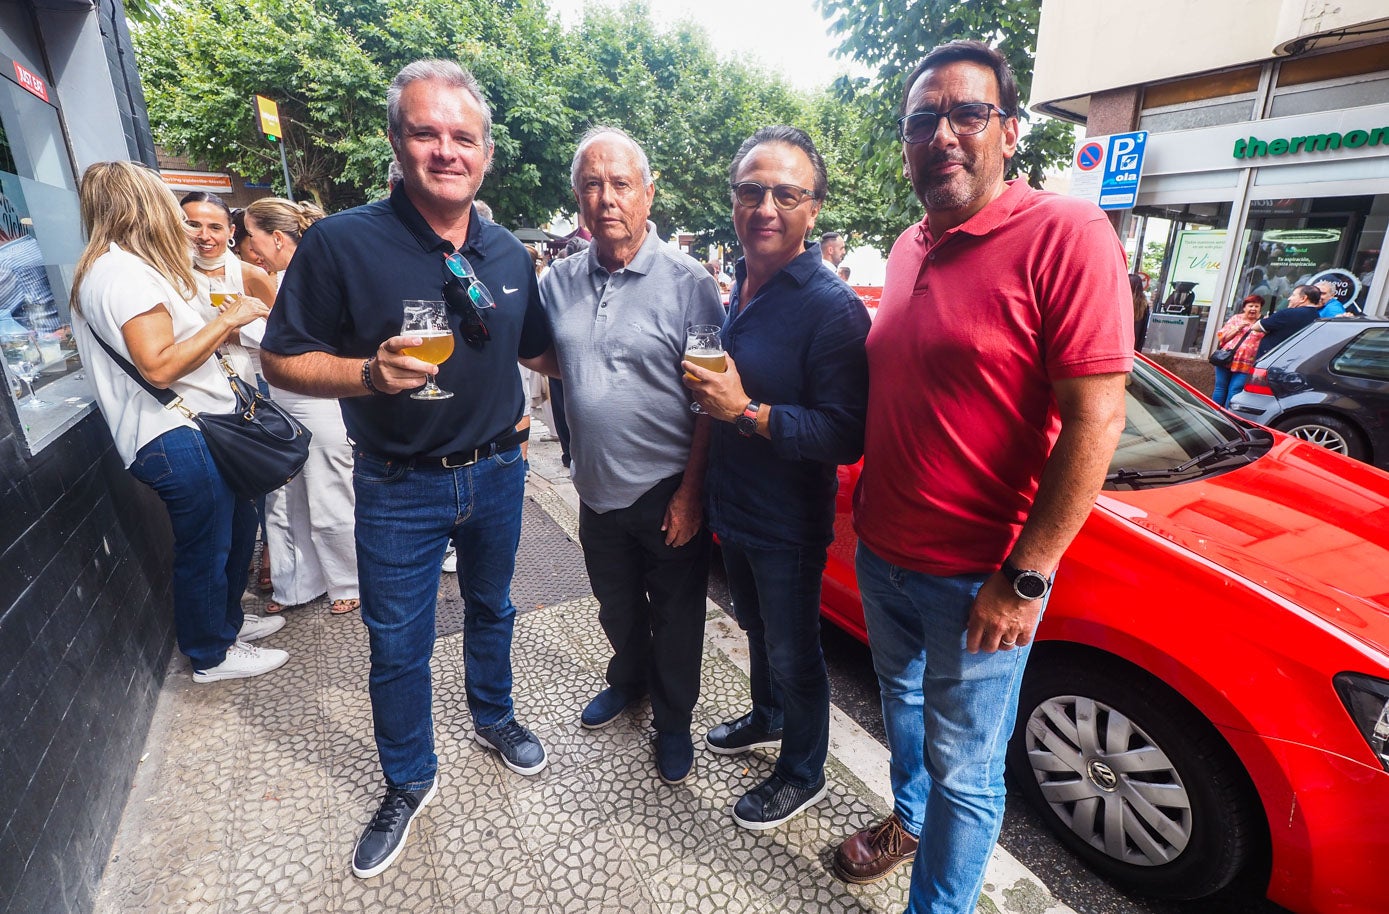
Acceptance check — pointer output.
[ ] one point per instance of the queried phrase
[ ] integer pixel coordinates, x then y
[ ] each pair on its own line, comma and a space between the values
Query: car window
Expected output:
1172, 435
1366, 356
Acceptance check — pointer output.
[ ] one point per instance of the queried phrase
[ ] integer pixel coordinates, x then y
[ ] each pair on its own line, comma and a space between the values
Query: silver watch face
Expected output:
1030, 585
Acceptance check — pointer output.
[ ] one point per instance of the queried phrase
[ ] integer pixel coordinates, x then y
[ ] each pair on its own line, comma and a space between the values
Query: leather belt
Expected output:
469, 457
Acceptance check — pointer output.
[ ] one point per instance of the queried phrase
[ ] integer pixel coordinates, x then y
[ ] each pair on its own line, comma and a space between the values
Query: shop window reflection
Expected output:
1179, 247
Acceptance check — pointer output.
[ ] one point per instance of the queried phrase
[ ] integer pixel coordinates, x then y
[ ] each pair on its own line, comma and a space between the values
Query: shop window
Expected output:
1179, 248
1202, 101
1289, 242
1367, 356
40, 241
1316, 98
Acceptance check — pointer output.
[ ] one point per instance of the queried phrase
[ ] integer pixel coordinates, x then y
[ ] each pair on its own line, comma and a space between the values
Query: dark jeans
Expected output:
776, 599
214, 536
405, 519
651, 602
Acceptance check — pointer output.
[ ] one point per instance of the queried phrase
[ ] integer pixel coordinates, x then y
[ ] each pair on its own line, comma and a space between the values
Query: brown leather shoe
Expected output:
871, 853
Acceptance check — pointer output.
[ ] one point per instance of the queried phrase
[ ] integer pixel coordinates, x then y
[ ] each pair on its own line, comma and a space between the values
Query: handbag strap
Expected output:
164, 396
1235, 345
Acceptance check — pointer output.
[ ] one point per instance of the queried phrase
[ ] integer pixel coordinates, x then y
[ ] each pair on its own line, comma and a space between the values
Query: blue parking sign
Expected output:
1123, 166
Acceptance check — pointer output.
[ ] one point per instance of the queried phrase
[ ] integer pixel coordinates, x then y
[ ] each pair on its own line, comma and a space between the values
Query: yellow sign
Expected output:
269, 117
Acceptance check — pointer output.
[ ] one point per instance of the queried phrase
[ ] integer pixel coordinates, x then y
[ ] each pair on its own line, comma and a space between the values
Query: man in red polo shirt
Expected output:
996, 398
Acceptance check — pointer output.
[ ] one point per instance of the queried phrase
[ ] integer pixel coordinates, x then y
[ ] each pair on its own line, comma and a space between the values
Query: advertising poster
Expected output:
1197, 261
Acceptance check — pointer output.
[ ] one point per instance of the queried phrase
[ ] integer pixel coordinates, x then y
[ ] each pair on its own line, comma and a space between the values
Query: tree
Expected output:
893, 36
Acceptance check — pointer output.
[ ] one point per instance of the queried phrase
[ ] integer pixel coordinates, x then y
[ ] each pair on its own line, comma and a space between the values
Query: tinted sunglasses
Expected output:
466, 295
785, 196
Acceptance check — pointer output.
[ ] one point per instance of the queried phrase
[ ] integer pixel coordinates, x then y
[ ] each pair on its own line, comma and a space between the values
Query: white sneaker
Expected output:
450, 561
253, 628
243, 661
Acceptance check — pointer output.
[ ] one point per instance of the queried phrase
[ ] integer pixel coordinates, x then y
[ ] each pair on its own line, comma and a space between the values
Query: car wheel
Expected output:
1132, 779
1331, 432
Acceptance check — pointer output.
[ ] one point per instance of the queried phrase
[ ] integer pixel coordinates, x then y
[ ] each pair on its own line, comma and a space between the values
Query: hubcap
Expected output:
1108, 781
1321, 435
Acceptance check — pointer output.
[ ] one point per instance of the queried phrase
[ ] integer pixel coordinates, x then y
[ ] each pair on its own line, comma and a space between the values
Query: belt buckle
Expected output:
458, 466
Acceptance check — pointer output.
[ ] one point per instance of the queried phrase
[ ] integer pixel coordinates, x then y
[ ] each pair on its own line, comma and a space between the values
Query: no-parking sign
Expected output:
1105, 169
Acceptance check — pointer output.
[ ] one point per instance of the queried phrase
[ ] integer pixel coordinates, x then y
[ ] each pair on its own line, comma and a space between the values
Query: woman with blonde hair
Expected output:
310, 522
136, 314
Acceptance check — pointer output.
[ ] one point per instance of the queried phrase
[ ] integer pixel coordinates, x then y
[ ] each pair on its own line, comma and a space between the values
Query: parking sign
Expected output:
1106, 169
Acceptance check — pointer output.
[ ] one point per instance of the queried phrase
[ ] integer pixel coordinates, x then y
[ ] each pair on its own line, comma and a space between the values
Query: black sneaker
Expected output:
384, 837
674, 756
774, 801
519, 748
736, 736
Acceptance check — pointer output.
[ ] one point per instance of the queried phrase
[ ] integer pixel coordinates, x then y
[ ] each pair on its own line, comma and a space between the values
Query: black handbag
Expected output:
1223, 358
257, 448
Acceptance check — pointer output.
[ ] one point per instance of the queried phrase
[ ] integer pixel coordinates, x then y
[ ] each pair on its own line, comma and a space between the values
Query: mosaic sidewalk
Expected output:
253, 792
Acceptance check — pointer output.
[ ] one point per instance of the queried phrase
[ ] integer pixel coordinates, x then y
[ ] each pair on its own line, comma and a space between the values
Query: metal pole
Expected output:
284, 161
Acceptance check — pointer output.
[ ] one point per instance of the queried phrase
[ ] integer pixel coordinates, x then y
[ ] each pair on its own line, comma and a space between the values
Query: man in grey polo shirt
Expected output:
618, 314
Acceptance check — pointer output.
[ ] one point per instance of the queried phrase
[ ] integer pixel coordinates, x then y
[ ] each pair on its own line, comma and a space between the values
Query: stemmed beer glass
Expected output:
705, 349
429, 321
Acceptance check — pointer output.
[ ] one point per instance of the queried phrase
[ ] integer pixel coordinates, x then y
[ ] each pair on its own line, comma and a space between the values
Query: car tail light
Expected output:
1367, 700
1258, 383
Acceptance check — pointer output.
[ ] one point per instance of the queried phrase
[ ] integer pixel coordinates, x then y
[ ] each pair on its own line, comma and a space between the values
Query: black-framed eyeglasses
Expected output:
469, 297
965, 120
785, 196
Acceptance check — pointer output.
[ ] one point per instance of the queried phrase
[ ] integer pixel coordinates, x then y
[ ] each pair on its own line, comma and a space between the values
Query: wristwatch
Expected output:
747, 422
1027, 584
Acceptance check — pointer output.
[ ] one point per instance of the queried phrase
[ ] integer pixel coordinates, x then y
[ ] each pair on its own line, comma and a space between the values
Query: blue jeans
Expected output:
1221, 394
948, 715
405, 520
214, 536
776, 599
1237, 381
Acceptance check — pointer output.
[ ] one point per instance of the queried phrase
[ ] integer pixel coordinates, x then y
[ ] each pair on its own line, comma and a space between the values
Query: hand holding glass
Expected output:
704, 348
429, 321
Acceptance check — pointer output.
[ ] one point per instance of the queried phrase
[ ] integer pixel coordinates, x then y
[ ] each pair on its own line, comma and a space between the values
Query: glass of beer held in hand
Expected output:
429, 321
704, 348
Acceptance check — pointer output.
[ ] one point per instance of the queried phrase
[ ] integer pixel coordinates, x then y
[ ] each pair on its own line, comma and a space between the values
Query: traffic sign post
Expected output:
268, 114
1105, 169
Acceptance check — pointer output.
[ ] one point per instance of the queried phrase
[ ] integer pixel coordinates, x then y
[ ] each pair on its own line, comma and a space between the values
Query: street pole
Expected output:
284, 161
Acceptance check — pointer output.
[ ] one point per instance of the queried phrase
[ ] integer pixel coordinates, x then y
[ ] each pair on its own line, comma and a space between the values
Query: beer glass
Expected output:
429, 321
705, 349
217, 292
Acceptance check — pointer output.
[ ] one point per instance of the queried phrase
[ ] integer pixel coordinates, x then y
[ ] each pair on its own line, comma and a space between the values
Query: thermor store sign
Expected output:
1253, 147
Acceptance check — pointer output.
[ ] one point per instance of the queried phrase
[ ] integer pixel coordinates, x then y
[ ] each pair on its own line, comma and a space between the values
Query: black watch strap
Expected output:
1027, 583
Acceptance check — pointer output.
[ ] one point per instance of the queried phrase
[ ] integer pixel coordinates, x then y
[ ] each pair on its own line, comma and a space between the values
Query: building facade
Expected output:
1267, 158
85, 623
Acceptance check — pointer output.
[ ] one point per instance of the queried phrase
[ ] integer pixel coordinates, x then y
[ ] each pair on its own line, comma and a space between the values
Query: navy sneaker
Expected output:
519, 748
674, 756
774, 801
737, 736
384, 837
606, 706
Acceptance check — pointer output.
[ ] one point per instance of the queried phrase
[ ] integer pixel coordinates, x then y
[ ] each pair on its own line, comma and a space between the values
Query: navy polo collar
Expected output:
429, 240
801, 268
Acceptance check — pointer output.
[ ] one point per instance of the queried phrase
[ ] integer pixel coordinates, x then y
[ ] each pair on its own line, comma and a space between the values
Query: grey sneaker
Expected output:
384, 837
519, 748
242, 662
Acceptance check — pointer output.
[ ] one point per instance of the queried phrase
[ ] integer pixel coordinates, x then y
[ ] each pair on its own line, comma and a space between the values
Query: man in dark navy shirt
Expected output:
791, 407
427, 471
1304, 307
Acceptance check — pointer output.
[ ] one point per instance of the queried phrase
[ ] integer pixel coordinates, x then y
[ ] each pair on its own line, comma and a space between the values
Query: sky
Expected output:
785, 36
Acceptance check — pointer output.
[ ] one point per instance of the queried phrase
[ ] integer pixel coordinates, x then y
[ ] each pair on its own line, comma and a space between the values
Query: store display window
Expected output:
1178, 249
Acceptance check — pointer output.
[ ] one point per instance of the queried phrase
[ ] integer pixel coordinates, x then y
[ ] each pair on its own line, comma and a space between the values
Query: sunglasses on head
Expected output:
469, 297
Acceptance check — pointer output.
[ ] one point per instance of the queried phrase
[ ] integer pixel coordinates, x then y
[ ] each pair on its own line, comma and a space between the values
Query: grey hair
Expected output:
442, 71
593, 135
787, 136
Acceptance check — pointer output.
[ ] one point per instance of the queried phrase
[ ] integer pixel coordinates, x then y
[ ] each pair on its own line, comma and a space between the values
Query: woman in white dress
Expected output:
134, 292
312, 527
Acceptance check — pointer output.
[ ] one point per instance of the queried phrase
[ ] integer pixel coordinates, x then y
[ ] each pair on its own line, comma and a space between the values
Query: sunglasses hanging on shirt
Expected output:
468, 297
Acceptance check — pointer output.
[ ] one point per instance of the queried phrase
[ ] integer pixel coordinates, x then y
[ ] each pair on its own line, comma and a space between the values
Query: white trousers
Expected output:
310, 522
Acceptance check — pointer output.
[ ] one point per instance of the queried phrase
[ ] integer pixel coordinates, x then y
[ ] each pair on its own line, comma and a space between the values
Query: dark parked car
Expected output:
1328, 384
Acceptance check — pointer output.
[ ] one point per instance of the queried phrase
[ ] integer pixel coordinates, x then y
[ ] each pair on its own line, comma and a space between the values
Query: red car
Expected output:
1209, 690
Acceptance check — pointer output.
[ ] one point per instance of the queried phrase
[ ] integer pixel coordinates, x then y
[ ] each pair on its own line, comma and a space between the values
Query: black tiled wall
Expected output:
85, 633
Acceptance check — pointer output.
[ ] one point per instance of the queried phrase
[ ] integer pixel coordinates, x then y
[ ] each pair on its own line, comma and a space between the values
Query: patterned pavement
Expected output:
253, 792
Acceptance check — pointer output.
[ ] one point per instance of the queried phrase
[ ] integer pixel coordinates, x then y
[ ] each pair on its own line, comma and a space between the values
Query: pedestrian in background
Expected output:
134, 289
789, 409
1232, 337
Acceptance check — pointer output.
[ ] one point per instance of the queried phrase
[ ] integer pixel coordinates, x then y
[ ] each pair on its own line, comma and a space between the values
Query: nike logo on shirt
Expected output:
507, 290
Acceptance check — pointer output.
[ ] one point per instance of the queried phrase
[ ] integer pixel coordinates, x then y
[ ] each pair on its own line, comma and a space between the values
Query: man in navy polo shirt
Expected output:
427, 471
790, 408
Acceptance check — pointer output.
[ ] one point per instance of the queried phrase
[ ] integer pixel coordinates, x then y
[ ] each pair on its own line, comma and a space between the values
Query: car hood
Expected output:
1301, 522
